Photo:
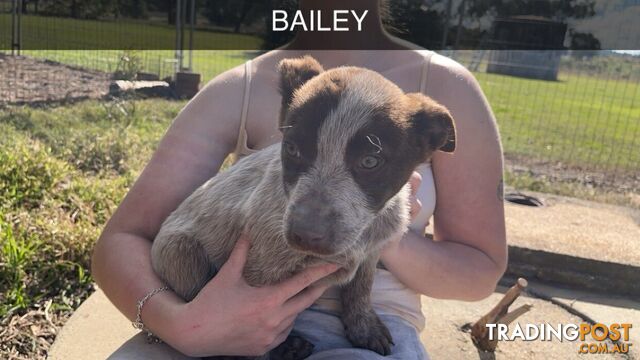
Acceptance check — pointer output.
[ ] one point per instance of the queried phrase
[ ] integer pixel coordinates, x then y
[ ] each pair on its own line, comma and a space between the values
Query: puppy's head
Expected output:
351, 139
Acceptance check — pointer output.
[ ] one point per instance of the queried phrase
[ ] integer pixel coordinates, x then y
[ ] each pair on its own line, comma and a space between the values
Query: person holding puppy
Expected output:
237, 112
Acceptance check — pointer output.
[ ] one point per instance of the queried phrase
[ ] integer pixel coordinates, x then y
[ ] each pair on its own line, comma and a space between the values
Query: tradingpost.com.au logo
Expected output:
592, 338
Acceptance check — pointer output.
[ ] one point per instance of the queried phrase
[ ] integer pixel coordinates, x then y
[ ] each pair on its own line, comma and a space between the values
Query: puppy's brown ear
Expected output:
293, 74
432, 124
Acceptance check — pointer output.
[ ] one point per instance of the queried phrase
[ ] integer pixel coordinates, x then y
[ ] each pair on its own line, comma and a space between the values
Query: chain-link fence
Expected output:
6, 24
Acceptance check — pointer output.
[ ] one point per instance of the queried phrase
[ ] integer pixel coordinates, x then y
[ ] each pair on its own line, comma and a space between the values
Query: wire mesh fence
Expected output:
119, 37
585, 120
6, 24
558, 111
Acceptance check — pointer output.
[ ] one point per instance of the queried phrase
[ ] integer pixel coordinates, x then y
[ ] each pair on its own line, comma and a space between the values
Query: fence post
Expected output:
19, 25
445, 32
191, 30
178, 36
13, 26
16, 27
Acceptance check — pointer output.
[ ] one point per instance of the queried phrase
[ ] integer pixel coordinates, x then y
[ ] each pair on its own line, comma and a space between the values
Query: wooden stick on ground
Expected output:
499, 314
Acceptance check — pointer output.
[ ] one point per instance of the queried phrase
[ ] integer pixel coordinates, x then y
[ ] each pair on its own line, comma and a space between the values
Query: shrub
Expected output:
28, 173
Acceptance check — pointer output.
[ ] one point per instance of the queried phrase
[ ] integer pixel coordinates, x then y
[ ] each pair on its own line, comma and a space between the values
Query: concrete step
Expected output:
97, 329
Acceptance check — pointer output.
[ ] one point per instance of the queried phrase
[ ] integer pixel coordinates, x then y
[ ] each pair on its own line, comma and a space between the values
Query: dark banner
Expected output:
586, 25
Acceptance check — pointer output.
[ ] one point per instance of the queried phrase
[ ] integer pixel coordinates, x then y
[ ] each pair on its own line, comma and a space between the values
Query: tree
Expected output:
558, 10
165, 6
416, 22
135, 9
587, 43
230, 13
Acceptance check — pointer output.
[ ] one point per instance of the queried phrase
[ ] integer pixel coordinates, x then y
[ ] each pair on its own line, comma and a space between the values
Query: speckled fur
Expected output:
250, 196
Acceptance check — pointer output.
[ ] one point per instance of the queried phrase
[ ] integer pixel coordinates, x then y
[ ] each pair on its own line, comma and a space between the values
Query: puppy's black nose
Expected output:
306, 236
309, 238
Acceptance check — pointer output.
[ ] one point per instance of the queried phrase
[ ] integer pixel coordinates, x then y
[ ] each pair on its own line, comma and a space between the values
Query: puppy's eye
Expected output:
370, 162
291, 149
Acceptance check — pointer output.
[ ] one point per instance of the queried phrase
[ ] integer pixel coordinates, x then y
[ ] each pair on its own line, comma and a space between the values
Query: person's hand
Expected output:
229, 317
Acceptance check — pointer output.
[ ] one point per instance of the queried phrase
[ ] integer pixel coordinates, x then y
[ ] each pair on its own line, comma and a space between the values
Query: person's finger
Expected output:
306, 277
414, 181
238, 257
304, 299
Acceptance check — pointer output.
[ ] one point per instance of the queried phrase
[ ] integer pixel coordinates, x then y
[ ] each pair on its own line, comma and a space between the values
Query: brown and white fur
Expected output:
333, 191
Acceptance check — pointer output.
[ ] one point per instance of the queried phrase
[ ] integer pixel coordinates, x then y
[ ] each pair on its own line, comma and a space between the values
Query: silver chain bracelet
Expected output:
138, 324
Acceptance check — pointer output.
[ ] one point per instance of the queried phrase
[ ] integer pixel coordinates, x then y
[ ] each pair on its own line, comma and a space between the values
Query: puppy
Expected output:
334, 190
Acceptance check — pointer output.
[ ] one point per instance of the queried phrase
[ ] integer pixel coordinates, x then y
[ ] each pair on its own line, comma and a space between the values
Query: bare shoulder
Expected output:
445, 63
452, 76
477, 137
215, 111
454, 86
264, 66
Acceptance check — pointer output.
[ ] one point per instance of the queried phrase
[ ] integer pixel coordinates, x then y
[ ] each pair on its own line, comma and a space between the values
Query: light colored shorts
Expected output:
323, 329
326, 331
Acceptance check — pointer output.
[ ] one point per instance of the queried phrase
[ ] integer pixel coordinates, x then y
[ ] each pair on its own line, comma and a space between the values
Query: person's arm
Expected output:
254, 320
469, 254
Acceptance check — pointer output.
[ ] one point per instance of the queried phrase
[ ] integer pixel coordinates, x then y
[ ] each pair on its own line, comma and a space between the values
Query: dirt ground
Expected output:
608, 180
28, 80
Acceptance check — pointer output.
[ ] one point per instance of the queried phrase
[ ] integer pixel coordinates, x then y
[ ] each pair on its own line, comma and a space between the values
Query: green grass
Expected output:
40, 32
63, 171
580, 120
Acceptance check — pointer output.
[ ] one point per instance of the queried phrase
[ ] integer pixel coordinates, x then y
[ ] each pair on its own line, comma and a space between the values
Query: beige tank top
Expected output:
388, 295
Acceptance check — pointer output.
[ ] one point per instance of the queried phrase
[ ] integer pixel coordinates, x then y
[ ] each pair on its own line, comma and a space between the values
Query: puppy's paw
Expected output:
369, 332
294, 348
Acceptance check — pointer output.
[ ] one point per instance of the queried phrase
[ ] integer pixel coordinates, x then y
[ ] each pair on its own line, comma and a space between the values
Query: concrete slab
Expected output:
94, 331
576, 227
606, 309
97, 329
576, 243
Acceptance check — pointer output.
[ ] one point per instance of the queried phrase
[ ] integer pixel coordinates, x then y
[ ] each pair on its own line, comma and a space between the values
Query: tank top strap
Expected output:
425, 71
242, 147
